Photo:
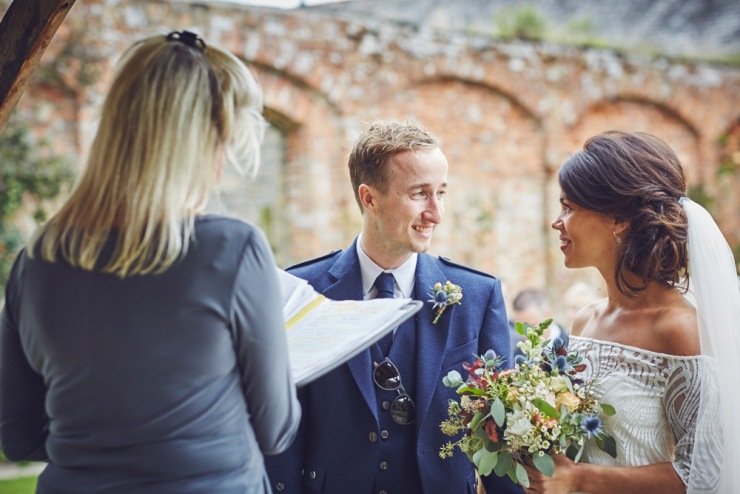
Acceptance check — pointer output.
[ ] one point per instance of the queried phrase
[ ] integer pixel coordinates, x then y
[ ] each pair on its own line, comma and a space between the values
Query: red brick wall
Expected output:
508, 114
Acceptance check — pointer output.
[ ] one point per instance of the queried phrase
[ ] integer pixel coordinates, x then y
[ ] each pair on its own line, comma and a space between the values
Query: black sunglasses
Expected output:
387, 377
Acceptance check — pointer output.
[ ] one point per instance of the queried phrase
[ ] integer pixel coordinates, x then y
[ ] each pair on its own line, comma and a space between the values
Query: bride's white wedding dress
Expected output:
657, 398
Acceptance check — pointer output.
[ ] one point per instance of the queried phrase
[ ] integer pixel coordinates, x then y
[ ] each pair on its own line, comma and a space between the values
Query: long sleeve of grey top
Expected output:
261, 348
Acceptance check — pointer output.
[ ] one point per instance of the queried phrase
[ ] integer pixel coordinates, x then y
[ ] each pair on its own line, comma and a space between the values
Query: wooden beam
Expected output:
25, 32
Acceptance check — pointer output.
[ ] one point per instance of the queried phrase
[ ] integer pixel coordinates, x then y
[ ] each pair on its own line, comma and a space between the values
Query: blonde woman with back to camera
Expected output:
143, 347
663, 346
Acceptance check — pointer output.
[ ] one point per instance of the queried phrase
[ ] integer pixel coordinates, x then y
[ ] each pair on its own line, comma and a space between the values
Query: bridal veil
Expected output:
714, 290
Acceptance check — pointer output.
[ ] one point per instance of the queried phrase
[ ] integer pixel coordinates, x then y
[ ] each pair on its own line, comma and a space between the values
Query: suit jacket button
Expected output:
280, 487
385, 404
383, 465
384, 434
372, 437
312, 475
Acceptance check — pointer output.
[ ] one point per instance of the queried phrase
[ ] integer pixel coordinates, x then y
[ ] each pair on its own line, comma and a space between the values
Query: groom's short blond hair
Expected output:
377, 144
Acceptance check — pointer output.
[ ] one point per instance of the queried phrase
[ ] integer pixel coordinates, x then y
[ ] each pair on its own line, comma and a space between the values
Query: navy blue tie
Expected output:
385, 283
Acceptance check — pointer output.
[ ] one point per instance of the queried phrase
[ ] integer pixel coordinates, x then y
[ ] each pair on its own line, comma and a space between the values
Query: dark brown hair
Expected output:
634, 177
373, 149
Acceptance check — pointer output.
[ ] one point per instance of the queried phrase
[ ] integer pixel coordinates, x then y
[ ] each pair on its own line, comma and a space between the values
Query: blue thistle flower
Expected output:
592, 426
558, 346
520, 359
440, 297
561, 364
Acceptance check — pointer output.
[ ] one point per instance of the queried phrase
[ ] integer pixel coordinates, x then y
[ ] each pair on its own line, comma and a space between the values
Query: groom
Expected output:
372, 425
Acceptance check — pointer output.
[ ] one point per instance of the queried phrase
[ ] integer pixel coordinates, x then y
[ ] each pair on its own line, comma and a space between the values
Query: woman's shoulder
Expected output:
215, 233
224, 226
669, 328
677, 330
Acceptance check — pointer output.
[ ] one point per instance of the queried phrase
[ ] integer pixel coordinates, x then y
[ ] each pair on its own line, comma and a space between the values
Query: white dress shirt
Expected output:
403, 274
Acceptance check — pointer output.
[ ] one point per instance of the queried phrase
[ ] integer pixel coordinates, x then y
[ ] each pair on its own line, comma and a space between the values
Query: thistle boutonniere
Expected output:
442, 296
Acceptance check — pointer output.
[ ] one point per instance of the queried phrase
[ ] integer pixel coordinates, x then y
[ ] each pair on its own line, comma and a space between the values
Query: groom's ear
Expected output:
367, 196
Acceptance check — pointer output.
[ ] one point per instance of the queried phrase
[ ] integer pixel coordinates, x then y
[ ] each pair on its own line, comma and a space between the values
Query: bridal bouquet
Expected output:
525, 414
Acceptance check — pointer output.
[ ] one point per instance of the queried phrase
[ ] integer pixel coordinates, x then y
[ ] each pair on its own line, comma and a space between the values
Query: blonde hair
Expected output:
173, 112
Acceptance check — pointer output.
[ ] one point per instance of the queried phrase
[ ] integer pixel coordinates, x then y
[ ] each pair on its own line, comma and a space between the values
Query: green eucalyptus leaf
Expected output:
544, 463
504, 464
521, 475
498, 412
608, 410
484, 461
453, 379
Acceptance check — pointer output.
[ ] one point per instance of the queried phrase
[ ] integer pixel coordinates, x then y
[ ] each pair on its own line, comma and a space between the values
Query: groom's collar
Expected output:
403, 274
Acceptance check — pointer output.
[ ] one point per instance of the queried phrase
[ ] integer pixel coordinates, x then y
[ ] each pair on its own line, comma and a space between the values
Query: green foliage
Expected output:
581, 28
521, 23
29, 175
23, 485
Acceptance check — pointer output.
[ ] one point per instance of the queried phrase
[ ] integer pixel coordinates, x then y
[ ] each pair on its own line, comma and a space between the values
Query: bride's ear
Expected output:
619, 227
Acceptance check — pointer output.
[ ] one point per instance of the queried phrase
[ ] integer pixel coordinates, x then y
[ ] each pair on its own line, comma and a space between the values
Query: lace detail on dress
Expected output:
657, 398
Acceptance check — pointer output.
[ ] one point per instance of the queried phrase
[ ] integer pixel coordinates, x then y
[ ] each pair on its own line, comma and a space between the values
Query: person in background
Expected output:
142, 344
663, 347
372, 425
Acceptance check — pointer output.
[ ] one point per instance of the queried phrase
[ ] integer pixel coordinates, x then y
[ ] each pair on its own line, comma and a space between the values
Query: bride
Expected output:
663, 346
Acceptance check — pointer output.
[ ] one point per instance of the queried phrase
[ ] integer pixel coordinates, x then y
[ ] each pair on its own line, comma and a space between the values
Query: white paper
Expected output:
323, 333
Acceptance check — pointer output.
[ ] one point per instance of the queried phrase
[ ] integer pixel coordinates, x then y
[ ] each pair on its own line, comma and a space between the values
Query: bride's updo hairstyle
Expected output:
634, 177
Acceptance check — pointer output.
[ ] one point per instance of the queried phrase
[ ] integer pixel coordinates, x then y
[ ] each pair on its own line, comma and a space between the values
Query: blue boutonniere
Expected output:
442, 296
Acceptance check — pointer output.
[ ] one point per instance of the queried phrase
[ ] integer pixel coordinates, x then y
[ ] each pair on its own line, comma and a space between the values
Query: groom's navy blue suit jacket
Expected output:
337, 450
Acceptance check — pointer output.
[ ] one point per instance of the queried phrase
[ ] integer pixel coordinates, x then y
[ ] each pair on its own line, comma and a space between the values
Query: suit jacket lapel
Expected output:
431, 338
348, 286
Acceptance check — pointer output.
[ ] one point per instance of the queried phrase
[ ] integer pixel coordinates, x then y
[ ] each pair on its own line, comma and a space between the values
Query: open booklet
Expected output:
324, 333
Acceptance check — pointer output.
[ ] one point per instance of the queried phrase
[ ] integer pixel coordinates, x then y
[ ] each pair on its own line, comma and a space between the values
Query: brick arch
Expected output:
486, 86
311, 163
633, 113
289, 95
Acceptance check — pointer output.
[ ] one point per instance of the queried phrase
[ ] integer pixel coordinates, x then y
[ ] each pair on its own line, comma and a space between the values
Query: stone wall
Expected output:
508, 114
